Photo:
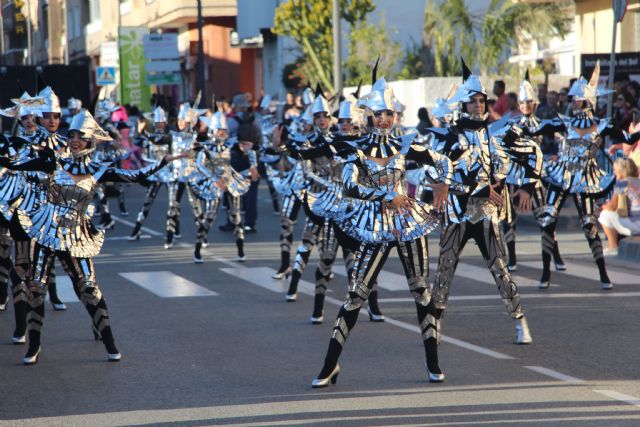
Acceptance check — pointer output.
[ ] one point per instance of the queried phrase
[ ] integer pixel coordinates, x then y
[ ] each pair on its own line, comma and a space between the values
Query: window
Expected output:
94, 10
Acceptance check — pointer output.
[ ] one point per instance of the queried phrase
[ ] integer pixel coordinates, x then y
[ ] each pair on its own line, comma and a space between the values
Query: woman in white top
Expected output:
614, 225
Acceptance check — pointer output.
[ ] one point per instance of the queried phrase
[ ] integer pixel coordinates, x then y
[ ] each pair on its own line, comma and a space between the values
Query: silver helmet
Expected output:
183, 111
74, 104
526, 91
345, 110
307, 96
218, 121
320, 103
381, 96
89, 129
24, 106
471, 85
589, 91
51, 102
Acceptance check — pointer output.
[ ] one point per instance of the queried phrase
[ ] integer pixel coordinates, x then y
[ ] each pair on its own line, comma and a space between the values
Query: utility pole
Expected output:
65, 20
337, 49
200, 56
29, 61
619, 9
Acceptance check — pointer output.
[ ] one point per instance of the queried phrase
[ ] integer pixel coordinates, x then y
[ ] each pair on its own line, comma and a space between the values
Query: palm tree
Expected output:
452, 31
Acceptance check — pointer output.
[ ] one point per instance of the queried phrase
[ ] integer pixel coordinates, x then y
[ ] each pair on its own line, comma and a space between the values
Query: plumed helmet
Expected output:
320, 103
583, 90
526, 91
471, 85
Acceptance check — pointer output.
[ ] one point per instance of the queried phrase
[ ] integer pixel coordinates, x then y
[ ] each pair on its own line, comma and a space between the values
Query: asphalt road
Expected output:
216, 344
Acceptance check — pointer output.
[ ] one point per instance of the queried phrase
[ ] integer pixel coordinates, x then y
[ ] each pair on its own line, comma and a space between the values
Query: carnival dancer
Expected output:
61, 227
267, 124
288, 177
477, 205
323, 206
217, 179
182, 141
379, 215
321, 167
520, 200
576, 171
155, 146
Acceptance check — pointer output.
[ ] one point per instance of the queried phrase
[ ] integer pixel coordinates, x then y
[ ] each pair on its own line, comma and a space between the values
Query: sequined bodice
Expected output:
71, 195
390, 177
218, 160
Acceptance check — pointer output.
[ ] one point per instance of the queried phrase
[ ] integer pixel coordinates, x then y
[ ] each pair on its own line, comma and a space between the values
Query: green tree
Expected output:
452, 31
366, 42
309, 23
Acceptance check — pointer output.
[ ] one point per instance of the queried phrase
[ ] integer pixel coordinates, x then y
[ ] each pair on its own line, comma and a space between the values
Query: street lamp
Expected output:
200, 56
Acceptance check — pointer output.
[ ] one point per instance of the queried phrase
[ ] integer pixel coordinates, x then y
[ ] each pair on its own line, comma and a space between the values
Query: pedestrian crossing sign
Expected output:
105, 76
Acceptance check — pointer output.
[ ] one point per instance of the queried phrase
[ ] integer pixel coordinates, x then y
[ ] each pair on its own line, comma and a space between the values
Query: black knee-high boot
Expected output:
35, 321
344, 324
20, 292
557, 258
318, 307
301, 261
428, 319
375, 315
52, 288
240, 246
595, 244
548, 233
285, 262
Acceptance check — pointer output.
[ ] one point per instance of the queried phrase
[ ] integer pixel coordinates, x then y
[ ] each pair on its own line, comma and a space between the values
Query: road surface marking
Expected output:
620, 396
165, 284
589, 272
554, 374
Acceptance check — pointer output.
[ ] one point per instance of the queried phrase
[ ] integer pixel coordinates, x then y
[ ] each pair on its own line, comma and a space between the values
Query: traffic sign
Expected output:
105, 76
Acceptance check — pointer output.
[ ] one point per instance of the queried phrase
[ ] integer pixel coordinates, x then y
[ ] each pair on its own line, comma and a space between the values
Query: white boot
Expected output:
522, 328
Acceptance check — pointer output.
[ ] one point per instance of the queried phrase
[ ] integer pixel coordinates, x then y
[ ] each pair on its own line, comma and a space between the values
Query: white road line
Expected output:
143, 236
386, 279
554, 374
397, 282
620, 396
589, 272
261, 276
165, 284
132, 224
540, 295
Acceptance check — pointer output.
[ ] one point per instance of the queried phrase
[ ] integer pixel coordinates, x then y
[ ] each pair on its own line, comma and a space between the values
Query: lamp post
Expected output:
200, 56
337, 48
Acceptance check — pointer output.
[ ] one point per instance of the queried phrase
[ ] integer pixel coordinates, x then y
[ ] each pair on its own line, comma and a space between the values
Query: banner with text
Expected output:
134, 89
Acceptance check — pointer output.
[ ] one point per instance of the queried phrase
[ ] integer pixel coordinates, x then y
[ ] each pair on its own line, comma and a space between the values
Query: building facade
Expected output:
41, 32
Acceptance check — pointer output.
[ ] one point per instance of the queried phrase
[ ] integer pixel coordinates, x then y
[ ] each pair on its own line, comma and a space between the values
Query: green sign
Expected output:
133, 88
162, 79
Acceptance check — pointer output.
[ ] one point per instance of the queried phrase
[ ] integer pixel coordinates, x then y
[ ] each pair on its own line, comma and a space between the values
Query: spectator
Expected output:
633, 89
500, 106
621, 111
513, 108
620, 216
425, 121
542, 94
288, 104
564, 106
550, 109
